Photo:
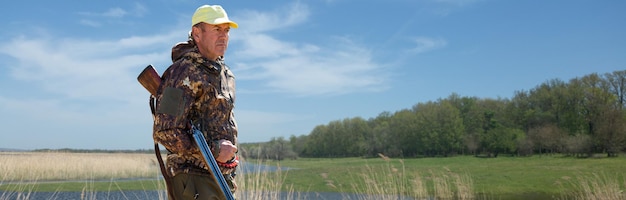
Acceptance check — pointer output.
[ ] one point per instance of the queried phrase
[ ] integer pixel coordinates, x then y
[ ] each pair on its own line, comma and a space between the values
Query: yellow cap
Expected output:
211, 14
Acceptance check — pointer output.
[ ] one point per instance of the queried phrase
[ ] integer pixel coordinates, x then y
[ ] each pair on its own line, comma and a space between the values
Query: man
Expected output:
198, 88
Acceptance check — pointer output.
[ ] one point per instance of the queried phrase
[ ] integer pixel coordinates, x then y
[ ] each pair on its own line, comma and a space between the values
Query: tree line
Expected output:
581, 117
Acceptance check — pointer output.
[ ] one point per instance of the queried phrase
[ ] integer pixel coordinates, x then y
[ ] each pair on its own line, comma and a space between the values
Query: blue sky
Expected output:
68, 68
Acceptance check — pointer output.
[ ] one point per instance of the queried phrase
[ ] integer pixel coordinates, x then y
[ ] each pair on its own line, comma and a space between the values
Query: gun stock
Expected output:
150, 79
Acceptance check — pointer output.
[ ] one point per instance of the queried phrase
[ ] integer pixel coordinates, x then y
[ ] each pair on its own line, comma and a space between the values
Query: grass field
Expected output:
496, 178
461, 177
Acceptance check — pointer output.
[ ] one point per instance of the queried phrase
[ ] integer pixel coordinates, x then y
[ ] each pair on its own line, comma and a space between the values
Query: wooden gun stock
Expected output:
150, 79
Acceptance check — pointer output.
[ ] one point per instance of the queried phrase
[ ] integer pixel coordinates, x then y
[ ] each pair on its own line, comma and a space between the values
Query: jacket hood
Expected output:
182, 48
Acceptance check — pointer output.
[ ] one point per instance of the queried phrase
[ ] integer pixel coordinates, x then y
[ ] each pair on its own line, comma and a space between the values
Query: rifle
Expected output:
151, 80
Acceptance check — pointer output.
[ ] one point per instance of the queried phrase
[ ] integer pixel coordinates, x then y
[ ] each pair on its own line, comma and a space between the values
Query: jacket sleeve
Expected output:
174, 102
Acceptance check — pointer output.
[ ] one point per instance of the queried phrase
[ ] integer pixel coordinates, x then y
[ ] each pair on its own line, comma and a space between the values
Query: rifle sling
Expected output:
157, 151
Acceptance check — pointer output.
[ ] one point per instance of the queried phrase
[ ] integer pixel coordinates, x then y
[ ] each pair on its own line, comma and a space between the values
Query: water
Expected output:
251, 168
126, 195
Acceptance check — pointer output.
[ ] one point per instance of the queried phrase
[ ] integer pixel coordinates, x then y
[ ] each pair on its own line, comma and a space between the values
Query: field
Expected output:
538, 177
461, 177
27, 166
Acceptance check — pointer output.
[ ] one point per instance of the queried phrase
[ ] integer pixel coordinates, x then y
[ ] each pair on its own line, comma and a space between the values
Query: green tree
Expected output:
380, 135
596, 106
441, 126
358, 131
611, 132
278, 149
617, 86
473, 120
502, 140
493, 117
584, 114
315, 145
403, 133
298, 143
547, 138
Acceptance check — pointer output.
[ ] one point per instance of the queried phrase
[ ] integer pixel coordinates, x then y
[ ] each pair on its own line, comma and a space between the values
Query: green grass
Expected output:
536, 177
64, 186
502, 177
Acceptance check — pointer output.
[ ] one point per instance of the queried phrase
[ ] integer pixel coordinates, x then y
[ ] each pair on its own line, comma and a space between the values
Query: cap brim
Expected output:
225, 21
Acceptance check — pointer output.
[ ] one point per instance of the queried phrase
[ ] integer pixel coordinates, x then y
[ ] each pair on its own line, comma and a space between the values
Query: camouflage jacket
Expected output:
199, 90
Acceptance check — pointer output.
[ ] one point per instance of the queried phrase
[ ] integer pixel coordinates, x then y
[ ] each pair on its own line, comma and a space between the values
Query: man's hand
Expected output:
227, 151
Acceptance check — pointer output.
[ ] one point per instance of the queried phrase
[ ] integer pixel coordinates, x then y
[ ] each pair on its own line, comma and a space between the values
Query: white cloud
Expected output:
139, 10
115, 12
257, 21
260, 45
424, 44
110, 13
86, 69
302, 68
96, 19
71, 88
91, 23
341, 71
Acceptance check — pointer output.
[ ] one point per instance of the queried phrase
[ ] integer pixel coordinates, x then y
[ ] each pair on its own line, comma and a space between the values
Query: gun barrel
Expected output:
210, 160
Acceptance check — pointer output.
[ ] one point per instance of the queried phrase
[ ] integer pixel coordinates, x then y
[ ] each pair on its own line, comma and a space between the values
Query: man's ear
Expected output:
194, 32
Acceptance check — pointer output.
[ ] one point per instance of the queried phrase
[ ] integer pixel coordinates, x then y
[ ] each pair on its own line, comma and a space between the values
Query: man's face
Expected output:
212, 40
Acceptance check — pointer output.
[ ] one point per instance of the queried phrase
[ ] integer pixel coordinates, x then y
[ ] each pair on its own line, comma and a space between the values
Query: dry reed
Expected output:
595, 186
391, 182
260, 184
43, 166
